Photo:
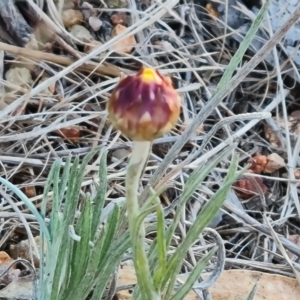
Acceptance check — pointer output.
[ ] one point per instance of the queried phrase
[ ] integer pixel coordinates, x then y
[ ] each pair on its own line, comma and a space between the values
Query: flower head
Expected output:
144, 106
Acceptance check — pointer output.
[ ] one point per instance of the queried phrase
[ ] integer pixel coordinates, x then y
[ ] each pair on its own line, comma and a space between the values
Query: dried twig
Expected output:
104, 69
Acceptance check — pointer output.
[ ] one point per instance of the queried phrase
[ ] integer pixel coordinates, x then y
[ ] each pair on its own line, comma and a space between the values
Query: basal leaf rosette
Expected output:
144, 106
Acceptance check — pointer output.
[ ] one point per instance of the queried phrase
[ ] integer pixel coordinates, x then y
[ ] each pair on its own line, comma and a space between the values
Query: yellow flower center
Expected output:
150, 76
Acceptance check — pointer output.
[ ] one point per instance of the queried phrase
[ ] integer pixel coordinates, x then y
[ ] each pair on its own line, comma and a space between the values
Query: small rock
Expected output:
119, 18
88, 10
274, 163
296, 114
125, 45
22, 250
19, 78
81, 33
120, 153
71, 17
116, 3
95, 23
30, 191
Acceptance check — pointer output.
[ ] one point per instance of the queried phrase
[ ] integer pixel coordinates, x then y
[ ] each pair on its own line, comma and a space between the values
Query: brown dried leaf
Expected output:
71, 17
125, 45
274, 163
71, 134
258, 163
247, 187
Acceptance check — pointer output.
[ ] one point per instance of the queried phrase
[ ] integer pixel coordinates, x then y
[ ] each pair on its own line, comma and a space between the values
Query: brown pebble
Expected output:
119, 18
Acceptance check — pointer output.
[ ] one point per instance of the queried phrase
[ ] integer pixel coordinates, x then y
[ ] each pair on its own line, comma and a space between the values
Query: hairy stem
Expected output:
136, 166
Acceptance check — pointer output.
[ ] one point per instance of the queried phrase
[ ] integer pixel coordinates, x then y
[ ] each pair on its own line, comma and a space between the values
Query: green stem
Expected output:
136, 166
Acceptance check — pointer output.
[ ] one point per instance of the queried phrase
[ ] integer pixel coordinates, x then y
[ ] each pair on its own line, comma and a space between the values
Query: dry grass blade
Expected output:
232, 83
153, 15
247, 99
282, 250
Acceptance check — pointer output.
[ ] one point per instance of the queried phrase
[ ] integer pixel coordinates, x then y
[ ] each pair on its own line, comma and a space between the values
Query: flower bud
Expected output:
144, 106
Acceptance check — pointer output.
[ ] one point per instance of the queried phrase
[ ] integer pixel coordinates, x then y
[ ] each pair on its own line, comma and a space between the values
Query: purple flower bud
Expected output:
144, 106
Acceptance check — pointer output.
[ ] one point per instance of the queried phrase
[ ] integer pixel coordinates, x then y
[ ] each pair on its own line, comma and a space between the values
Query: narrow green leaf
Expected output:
29, 204
59, 258
72, 194
48, 184
190, 187
99, 199
117, 252
54, 223
161, 249
112, 226
252, 293
45, 286
202, 220
100, 255
99, 290
86, 283
74, 187
82, 248
188, 285
64, 179
239, 54
64, 244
